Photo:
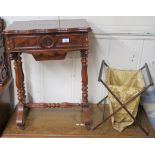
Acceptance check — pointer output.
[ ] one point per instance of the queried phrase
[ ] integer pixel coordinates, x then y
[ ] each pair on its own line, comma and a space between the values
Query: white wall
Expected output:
124, 42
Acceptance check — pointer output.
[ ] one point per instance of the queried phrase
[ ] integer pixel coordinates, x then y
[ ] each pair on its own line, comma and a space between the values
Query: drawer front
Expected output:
22, 43
41, 42
66, 40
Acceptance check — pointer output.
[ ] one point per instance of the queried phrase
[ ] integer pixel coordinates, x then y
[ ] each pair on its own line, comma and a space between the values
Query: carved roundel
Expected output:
46, 41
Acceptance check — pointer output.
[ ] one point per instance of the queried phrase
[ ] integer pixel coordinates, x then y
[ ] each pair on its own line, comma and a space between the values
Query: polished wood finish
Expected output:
84, 55
48, 26
67, 123
48, 40
20, 88
52, 105
86, 109
46, 37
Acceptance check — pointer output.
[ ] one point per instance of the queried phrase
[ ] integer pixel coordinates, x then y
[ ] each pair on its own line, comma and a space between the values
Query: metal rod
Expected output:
101, 70
149, 74
123, 106
102, 100
103, 111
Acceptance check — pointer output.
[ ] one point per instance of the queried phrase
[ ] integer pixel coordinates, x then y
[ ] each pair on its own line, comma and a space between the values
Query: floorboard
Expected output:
64, 123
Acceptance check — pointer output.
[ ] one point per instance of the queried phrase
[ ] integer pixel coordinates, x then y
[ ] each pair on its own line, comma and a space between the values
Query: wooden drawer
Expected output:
41, 42
66, 40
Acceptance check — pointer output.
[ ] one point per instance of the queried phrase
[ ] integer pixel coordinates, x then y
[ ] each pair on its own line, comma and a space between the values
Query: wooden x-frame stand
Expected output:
123, 105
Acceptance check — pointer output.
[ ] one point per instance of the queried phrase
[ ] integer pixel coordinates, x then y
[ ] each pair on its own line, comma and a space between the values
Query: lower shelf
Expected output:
67, 123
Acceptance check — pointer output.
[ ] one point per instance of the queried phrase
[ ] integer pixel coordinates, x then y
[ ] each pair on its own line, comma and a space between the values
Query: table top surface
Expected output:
63, 123
48, 26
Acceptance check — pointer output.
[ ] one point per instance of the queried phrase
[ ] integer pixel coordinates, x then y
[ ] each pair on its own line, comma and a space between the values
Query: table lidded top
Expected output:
47, 39
48, 26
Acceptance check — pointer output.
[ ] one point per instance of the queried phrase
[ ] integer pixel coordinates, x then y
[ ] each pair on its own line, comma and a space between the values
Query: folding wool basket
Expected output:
124, 90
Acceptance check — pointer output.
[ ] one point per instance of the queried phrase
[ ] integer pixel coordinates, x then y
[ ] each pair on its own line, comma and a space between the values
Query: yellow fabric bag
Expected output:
124, 84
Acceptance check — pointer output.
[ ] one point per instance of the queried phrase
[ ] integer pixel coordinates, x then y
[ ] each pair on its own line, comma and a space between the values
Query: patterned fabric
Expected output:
124, 84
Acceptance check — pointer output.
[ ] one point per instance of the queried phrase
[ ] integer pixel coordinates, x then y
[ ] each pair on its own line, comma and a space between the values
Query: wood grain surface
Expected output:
48, 26
31, 37
66, 123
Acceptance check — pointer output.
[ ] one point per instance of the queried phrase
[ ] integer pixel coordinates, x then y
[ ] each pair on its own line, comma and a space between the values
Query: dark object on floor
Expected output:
6, 83
66, 123
6, 103
4, 63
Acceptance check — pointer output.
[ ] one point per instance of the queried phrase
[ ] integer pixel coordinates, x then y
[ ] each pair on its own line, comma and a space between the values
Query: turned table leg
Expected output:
20, 88
85, 106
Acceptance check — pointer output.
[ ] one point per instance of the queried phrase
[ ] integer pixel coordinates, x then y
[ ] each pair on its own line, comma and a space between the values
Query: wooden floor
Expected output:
63, 123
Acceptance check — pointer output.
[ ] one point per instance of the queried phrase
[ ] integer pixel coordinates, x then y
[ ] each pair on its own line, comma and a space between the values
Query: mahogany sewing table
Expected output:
47, 40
